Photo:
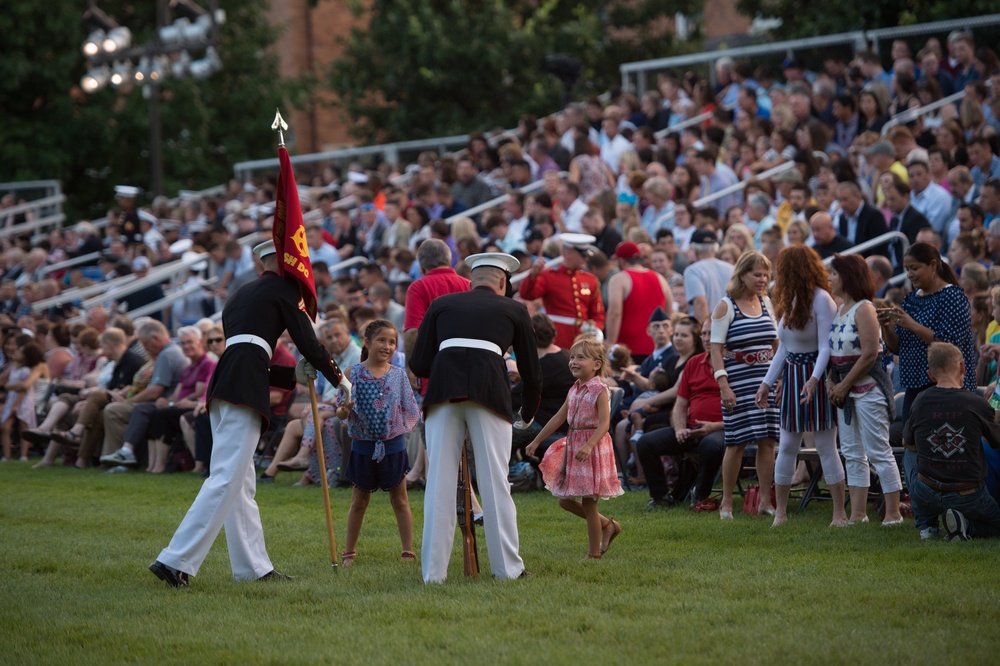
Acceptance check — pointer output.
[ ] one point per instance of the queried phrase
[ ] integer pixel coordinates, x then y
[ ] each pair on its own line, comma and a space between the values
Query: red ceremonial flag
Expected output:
290, 236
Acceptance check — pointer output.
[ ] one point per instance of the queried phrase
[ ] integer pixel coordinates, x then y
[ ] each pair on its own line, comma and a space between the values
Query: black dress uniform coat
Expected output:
265, 308
457, 374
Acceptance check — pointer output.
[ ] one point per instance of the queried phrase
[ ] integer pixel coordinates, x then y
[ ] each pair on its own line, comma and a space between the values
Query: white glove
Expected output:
519, 424
304, 372
345, 386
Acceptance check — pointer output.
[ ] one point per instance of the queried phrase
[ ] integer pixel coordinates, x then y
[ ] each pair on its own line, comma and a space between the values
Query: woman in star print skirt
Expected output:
383, 411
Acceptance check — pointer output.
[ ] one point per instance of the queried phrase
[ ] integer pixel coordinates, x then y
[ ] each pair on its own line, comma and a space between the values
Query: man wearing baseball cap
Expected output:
459, 348
706, 277
571, 296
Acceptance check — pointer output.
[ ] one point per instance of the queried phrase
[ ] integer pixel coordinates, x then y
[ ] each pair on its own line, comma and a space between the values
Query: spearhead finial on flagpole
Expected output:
280, 126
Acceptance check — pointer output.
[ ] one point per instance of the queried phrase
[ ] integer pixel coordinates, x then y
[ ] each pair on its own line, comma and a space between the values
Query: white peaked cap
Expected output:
128, 191
264, 249
578, 241
504, 262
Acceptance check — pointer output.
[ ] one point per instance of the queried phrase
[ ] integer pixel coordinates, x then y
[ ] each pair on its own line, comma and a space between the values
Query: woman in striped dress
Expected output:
805, 309
744, 337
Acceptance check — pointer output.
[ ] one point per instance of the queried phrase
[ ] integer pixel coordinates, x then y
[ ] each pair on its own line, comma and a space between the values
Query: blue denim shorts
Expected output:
368, 475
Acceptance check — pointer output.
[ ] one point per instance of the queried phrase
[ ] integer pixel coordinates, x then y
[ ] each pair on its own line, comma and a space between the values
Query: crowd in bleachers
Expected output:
616, 169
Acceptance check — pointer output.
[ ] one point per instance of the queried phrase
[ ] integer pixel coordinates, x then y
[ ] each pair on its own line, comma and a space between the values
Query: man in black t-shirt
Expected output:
946, 427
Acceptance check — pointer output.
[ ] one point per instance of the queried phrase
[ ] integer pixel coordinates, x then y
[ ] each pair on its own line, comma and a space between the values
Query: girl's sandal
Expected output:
348, 557
408, 555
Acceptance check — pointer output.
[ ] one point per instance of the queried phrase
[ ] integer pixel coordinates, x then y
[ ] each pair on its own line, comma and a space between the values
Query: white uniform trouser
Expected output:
490, 436
866, 441
226, 498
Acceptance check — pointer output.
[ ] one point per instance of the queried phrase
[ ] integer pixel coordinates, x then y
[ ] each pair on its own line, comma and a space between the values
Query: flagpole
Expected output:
279, 125
317, 426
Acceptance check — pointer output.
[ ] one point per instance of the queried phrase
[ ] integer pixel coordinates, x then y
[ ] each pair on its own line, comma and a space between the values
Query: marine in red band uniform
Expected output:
239, 406
571, 296
460, 347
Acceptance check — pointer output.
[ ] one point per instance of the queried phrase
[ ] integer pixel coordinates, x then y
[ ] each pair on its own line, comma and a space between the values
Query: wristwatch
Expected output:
171, 404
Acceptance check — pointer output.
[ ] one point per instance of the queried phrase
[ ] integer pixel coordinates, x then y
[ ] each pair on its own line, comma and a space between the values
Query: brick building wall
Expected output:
309, 41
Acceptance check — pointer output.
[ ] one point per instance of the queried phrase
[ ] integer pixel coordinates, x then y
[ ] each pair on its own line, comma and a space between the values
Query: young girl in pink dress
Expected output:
580, 468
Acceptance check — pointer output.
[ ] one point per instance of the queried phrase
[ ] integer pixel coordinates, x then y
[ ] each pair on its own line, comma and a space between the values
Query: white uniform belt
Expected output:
561, 319
251, 339
471, 342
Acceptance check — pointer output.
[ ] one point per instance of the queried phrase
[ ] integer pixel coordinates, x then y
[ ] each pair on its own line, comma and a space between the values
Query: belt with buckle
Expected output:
750, 358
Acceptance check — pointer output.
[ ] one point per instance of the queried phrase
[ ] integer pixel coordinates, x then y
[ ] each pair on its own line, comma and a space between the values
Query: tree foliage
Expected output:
421, 68
51, 129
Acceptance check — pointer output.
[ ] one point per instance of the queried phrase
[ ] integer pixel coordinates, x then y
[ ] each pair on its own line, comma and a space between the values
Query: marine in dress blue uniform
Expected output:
253, 319
460, 346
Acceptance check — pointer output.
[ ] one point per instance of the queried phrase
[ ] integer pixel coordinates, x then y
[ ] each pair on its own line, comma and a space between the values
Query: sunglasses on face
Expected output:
213, 341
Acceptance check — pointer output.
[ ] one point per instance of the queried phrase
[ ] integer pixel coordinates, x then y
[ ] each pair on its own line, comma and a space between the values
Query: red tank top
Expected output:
645, 296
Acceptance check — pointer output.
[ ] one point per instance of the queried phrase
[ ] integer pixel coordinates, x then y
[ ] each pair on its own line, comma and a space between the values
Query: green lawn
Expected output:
676, 587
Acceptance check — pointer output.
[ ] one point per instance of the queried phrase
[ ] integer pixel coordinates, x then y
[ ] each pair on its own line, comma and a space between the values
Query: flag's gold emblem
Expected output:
299, 238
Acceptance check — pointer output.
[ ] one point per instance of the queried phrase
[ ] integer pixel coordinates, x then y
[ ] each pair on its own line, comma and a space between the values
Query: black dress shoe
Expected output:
664, 503
275, 575
169, 575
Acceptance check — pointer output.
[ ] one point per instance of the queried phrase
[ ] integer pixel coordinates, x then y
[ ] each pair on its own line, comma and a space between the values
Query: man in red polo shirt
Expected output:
571, 295
439, 279
697, 428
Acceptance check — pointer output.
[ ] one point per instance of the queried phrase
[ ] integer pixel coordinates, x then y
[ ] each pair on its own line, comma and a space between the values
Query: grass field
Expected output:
676, 587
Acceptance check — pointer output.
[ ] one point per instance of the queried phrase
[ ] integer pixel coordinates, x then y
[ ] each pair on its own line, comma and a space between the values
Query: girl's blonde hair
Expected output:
591, 348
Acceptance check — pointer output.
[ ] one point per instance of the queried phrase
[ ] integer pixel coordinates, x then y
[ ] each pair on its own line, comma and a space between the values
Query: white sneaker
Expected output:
956, 525
928, 533
120, 457
636, 436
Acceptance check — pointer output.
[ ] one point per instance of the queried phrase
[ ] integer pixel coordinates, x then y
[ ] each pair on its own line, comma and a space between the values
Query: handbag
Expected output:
751, 500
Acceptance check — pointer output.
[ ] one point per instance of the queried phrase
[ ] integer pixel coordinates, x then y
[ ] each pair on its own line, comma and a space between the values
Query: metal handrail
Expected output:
347, 263
83, 292
34, 204
726, 191
69, 263
875, 242
13, 186
133, 284
936, 26
158, 305
156, 275
18, 229
520, 277
640, 68
498, 201
858, 37
909, 115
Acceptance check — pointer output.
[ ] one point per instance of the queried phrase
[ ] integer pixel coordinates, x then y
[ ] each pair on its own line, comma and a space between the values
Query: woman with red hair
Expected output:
805, 309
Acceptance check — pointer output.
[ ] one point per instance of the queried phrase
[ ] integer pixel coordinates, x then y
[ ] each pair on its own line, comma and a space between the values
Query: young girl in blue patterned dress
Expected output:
382, 412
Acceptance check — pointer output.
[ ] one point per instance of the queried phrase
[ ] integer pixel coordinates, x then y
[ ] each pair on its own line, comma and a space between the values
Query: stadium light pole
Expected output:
114, 61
